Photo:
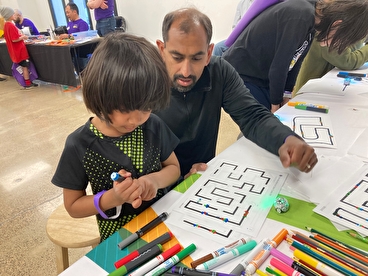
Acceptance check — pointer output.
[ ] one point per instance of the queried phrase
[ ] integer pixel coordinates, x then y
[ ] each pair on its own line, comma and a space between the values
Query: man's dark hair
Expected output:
353, 27
125, 73
189, 18
73, 7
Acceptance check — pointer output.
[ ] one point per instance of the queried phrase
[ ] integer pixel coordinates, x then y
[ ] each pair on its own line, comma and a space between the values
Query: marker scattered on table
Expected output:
219, 252
133, 237
309, 106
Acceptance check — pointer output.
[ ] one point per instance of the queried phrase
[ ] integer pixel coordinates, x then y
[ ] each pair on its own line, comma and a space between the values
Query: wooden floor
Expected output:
33, 127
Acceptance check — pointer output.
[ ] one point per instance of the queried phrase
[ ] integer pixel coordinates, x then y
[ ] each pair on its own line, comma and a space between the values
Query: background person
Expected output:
15, 44
321, 60
22, 22
124, 137
269, 52
75, 24
204, 84
242, 7
104, 15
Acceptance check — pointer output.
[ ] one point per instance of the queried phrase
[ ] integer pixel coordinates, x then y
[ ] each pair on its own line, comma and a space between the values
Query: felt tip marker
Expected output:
284, 268
172, 261
178, 270
245, 262
312, 107
160, 240
219, 252
233, 253
117, 177
292, 263
133, 237
263, 255
349, 74
141, 259
156, 261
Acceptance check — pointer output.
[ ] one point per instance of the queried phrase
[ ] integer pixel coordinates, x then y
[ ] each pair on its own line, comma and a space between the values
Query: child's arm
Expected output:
168, 175
80, 205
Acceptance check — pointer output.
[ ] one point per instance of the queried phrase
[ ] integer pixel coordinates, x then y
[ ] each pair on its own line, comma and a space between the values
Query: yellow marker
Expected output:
295, 103
261, 273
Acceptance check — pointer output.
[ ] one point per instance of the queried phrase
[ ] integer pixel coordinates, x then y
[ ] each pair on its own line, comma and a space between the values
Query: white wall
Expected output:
144, 17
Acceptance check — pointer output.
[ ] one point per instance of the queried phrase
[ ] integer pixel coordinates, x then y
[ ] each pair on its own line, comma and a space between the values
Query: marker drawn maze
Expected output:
229, 200
353, 207
313, 130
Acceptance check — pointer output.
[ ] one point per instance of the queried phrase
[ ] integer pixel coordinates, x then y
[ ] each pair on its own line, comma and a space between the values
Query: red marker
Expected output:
160, 240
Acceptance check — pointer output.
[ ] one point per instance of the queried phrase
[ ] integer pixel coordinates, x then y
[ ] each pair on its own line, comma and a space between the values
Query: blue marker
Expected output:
117, 177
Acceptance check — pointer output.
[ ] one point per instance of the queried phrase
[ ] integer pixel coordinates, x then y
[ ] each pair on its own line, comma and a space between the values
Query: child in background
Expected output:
15, 43
124, 81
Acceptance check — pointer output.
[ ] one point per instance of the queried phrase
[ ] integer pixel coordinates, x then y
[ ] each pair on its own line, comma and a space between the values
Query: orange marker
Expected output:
265, 252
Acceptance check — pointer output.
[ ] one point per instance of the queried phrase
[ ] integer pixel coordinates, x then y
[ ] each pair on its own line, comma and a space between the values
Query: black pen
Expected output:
133, 237
178, 270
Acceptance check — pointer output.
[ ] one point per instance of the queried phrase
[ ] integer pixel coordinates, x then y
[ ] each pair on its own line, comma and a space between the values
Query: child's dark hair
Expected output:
353, 27
125, 73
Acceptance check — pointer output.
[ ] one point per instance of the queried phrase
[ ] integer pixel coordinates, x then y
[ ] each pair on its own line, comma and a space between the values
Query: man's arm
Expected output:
94, 4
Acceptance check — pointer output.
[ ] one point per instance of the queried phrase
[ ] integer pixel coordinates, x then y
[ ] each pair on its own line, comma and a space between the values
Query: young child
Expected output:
15, 43
124, 81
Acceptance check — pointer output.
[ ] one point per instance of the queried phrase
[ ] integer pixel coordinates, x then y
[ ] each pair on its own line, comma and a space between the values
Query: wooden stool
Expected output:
67, 232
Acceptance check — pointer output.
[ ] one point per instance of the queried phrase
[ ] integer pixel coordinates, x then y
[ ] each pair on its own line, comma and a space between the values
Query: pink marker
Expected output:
288, 270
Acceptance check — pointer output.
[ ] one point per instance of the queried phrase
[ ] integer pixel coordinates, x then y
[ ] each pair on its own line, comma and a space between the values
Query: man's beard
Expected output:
17, 20
181, 88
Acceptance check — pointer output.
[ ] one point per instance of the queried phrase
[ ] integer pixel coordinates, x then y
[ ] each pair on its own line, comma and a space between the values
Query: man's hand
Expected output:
195, 168
296, 152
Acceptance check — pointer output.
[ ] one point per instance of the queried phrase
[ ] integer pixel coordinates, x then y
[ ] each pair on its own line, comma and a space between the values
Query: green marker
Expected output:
172, 261
312, 107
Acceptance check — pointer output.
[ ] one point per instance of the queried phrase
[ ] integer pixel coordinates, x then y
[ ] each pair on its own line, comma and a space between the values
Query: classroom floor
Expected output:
33, 127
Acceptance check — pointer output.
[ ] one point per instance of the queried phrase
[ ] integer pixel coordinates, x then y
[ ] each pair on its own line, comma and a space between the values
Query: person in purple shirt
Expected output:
104, 15
22, 22
75, 24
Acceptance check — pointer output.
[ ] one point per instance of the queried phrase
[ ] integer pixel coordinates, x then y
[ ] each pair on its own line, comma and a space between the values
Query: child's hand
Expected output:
149, 187
129, 190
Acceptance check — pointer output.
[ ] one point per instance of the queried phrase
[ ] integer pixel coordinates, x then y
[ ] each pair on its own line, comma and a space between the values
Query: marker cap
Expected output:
246, 247
280, 236
186, 251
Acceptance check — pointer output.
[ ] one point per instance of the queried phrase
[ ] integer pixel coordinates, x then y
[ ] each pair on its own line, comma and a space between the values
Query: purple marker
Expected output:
292, 263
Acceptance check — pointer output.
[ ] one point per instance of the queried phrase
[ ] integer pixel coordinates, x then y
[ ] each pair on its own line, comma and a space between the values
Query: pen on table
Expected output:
178, 270
346, 83
312, 230
320, 257
139, 233
312, 107
262, 255
331, 252
315, 263
245, 262
359, 237
172, 261
292, 263
219, 252
233, 253
288, 270
156, 261
117, 177
160, 240
144, 257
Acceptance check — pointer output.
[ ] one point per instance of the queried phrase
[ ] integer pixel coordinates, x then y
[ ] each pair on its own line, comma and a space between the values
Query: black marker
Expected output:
143, 230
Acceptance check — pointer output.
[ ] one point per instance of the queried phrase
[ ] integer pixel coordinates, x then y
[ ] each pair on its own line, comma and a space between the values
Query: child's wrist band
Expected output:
96, 201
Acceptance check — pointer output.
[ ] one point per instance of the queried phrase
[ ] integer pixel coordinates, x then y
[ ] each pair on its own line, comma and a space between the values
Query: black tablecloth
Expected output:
53, 63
